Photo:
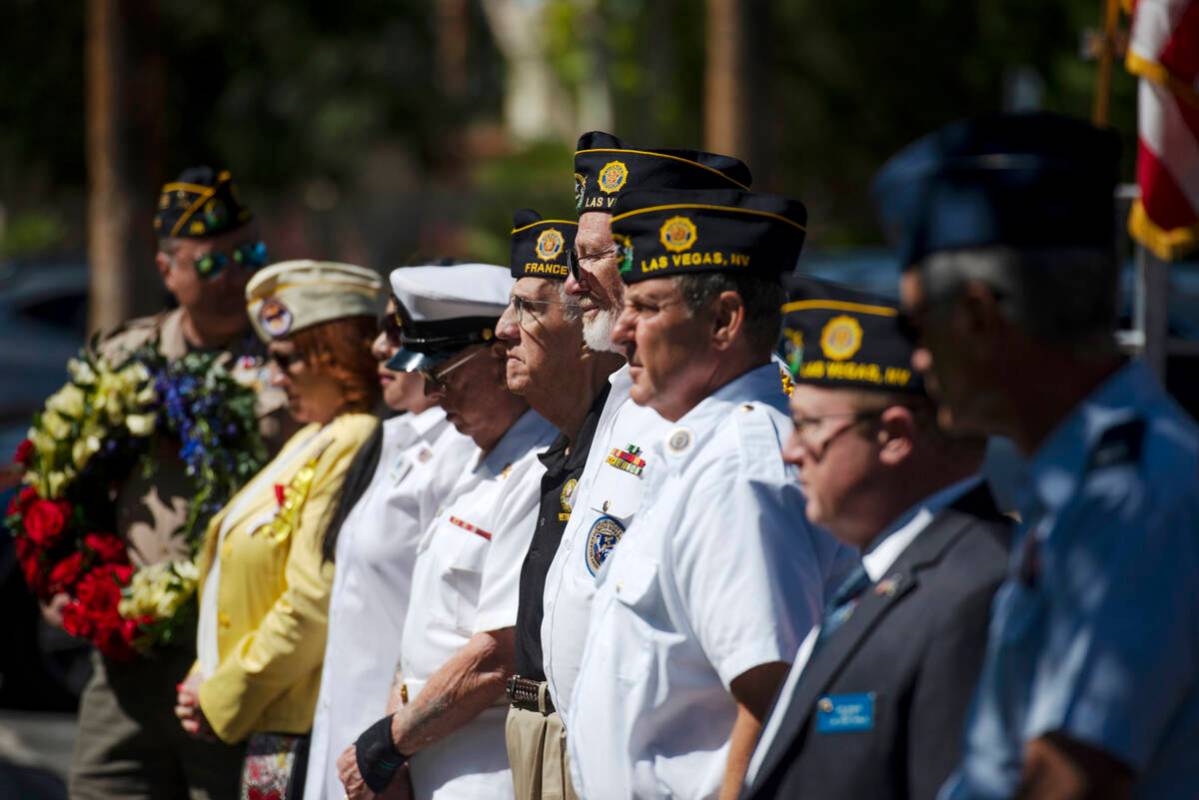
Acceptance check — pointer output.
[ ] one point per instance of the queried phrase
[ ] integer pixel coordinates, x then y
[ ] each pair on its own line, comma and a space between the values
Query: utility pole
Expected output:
124, 117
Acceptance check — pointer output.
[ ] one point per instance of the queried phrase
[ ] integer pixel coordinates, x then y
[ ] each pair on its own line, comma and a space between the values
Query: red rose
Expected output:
45, 520
100, 594
22, 500
75, 621
24, 454
111, 643
107, 547
122, 572
65, 573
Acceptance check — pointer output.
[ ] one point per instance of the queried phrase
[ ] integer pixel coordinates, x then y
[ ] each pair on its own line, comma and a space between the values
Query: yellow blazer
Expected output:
273, 592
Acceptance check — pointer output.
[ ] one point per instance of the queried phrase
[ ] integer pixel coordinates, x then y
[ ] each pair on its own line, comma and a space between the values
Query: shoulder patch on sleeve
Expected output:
1120, 444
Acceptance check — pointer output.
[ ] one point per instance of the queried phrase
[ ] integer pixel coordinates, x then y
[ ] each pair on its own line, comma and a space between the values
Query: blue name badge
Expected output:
845, 713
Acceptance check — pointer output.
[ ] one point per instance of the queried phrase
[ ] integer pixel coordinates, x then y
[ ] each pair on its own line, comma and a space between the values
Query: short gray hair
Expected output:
763, 301
1060, 295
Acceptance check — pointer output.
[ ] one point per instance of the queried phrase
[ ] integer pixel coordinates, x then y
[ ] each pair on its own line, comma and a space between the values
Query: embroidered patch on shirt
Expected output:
629, 460
604, 535
466, 526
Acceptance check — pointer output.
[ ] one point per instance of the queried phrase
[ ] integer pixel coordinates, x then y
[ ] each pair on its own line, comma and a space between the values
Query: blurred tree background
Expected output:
386, 132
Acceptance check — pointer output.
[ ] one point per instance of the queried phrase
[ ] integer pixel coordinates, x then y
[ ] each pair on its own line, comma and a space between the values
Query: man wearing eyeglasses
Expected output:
610, 488
701, 607
875, 703
129, 744
566, 382
446, 730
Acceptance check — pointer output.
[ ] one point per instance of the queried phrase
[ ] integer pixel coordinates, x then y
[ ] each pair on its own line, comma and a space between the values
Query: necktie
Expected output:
842, 605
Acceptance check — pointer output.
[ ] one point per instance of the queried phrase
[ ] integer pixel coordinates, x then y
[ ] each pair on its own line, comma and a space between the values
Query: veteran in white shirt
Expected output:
699, 611
609, 491
391, 494
446, 733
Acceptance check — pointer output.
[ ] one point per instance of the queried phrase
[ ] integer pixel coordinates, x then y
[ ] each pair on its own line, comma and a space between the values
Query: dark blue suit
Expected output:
916, 641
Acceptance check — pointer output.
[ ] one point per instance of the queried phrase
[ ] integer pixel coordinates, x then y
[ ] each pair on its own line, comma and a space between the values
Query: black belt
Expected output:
530, 695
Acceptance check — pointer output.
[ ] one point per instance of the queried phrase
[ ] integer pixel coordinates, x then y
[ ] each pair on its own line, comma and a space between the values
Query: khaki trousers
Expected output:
131, 746
537, 753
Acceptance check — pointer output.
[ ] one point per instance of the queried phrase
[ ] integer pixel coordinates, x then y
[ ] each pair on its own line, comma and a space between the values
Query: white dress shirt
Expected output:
606, 500
719, 573
421, 459
466, 579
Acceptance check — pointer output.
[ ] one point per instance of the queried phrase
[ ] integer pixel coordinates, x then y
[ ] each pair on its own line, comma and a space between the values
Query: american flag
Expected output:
1164, 53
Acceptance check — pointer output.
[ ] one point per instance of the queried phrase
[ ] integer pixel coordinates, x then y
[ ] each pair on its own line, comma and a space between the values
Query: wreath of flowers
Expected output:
106, 421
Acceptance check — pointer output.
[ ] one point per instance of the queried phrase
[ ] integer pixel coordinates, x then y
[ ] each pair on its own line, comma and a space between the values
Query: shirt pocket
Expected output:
465, 559
638, 598
615, 493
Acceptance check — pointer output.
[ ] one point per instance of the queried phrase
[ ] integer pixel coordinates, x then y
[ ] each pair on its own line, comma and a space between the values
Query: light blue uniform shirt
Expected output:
1095, 633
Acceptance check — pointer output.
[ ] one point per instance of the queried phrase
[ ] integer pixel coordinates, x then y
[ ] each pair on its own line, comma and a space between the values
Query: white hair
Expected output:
1062, 296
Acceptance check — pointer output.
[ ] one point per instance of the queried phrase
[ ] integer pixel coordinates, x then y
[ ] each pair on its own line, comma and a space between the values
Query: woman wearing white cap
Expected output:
265, 587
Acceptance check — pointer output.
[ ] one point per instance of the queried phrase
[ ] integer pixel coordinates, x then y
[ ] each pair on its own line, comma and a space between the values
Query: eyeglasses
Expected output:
248, 255
521, 305
574, 262
436, 375
806, 427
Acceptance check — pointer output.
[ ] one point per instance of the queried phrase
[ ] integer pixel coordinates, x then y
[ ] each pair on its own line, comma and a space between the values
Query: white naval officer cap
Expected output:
442, 310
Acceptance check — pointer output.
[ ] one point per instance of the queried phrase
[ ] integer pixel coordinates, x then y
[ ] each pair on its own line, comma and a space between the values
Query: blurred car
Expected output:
43, 322
43, 314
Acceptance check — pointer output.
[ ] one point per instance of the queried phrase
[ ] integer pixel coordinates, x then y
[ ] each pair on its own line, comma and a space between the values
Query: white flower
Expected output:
140, 424
56, 426
81, 372
67, 401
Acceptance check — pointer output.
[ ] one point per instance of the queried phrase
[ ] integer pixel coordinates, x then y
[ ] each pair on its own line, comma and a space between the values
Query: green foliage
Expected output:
291, 92
30, 233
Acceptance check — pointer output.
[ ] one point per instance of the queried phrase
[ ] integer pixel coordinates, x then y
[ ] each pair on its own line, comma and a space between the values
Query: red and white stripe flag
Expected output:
1164, 53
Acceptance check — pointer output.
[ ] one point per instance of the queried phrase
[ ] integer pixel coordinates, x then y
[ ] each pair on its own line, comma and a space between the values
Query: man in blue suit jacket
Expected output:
875, 702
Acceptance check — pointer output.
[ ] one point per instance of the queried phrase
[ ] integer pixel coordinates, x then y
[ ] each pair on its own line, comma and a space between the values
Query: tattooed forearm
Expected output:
471, 681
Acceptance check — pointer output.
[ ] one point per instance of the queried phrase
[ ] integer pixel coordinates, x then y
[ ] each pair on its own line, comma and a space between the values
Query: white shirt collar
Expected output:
888, 547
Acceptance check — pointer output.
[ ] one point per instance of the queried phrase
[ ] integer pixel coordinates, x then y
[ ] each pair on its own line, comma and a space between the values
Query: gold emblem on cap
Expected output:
549, 244
678, 234
841, 337
275, 318
612, 177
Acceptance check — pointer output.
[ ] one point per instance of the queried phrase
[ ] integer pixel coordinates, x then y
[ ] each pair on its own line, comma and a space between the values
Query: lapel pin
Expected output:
888, 586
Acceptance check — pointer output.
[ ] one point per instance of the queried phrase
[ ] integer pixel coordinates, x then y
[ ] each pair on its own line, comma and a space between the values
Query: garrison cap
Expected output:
1017, 180
201, 202
839, 337
605, 167
541, 247
445, 309
661, 233
293, 295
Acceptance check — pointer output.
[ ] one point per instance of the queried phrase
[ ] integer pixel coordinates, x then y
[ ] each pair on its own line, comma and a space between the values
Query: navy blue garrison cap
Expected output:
1019, 180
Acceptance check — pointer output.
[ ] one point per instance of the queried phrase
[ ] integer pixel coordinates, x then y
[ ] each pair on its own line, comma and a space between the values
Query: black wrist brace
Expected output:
377, 757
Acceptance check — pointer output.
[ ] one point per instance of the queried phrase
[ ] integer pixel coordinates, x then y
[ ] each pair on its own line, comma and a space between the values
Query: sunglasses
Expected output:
249, 256
574, 262
284, 360
392, 327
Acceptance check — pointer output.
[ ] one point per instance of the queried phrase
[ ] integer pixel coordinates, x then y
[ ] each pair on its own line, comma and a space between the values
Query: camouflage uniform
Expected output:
130, 744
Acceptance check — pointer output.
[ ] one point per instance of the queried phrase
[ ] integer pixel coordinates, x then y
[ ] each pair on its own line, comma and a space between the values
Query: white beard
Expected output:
597, 332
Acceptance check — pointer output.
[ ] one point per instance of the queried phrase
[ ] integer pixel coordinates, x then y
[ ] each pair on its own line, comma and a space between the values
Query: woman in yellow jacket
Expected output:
265, 587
